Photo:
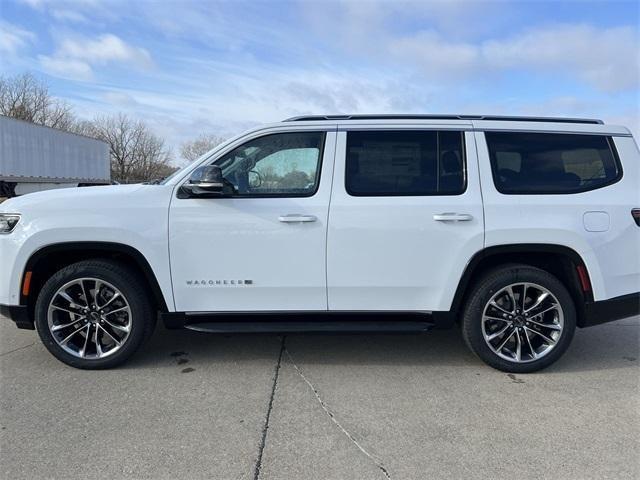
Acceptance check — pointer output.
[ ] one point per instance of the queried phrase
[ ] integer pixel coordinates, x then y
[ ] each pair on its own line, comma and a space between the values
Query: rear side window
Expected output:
539, 163
394, 163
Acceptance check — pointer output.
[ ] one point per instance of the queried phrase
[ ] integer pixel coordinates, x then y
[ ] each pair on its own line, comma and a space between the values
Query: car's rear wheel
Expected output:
519, 319
93, 314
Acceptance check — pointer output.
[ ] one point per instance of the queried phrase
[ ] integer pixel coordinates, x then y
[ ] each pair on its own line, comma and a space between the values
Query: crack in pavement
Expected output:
17, 349
378, 463
263, 442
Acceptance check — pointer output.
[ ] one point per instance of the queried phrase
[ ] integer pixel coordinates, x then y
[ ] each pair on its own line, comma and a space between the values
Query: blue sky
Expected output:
191, 67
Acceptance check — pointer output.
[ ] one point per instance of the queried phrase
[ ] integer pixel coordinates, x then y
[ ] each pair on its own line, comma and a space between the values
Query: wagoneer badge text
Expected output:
217, 283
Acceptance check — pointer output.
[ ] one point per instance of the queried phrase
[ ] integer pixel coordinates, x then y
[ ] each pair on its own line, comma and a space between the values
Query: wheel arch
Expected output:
559, 260
49, 259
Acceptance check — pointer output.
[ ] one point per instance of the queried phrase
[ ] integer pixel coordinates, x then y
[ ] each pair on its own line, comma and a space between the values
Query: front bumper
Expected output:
596, 313
19, 314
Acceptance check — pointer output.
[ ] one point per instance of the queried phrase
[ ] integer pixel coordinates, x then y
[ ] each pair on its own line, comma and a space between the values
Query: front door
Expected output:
406, 216
264, 247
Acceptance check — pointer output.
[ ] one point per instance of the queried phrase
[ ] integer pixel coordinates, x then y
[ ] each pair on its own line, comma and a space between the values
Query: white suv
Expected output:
517, 229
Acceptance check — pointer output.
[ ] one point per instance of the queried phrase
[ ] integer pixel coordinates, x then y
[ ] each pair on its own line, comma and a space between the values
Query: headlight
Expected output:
8, 221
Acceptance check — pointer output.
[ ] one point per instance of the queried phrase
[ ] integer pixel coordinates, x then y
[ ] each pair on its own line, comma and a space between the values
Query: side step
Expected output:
339, 326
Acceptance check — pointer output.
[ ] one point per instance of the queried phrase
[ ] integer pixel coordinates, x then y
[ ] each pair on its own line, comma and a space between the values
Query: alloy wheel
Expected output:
89, 318
522, 322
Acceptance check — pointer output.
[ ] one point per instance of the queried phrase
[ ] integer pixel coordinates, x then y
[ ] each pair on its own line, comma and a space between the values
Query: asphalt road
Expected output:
195, 406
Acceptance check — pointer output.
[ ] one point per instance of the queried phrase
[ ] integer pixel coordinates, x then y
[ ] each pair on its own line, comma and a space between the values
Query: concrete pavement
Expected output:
195, 406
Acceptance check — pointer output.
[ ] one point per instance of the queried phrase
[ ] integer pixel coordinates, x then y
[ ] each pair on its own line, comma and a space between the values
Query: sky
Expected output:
193, 67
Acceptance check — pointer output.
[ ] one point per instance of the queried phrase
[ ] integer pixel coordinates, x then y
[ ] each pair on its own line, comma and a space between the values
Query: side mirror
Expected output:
205, 181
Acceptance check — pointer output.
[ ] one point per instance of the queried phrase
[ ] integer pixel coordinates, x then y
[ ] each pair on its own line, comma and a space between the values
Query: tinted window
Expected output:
405, 163
551, 162
283, 164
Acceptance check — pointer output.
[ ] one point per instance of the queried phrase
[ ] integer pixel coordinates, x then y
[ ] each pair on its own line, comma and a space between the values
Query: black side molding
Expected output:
19, 314
596, 313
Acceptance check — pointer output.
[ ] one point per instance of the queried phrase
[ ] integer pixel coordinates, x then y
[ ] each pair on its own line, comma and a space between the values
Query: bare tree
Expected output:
197, 147
27, 98
137, 155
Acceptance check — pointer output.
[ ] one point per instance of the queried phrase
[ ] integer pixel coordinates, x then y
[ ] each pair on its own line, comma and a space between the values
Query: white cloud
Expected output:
225, 68
106, 48
121, 99
80, 11
455, 39
365, 21
605, 58
34, 3
13, 38
435, 55
69, 16
66, 67
42, 4
76, 57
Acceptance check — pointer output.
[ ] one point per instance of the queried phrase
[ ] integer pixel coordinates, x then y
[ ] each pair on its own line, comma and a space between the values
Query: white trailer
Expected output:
34, 157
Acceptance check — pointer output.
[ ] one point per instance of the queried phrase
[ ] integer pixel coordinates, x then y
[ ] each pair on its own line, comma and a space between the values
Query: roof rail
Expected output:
394, 116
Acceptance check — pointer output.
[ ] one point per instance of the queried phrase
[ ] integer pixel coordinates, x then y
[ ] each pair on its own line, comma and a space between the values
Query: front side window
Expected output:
538, 163
405, 163
282, 164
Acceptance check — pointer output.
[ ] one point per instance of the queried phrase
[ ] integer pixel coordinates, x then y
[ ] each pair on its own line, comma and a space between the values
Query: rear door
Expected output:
405, 217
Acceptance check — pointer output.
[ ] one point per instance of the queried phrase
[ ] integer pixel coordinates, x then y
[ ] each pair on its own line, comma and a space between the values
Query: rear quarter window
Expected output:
551, 163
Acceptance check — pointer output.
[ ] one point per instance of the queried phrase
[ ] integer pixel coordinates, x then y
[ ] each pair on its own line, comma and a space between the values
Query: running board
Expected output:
346, 326
291, 321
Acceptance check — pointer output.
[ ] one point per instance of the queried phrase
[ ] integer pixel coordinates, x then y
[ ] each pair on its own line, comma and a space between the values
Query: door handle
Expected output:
294, 218
452, 217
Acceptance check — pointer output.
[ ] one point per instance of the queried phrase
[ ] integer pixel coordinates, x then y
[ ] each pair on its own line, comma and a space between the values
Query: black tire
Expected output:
131, 286
490, 284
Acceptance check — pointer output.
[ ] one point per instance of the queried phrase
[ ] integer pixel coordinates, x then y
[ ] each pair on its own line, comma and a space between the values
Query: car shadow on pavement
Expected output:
605, 347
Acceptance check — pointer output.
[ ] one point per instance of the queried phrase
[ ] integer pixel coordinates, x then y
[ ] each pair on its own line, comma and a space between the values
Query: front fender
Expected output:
137, 220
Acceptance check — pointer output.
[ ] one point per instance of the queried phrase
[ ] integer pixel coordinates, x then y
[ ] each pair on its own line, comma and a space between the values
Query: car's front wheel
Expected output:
519, 319
93, 314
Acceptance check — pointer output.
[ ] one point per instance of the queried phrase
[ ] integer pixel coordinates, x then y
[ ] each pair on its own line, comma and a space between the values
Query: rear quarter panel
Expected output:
611, 256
